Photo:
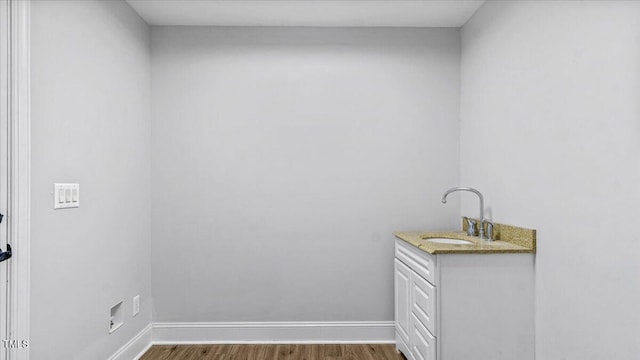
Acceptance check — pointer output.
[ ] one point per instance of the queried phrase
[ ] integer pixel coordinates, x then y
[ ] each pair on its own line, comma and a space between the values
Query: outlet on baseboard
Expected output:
116, 319
136, 305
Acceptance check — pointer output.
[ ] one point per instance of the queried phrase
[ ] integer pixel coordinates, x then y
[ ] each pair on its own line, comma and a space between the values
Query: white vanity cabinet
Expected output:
463, 306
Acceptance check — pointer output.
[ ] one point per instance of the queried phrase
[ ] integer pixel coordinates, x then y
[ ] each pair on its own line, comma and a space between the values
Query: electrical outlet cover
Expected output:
136, 305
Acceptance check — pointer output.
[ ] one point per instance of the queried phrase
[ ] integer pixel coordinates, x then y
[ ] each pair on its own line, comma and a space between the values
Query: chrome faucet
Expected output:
482, 219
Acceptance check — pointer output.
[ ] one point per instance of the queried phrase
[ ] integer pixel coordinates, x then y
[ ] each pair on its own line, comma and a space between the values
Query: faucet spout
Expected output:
444, 201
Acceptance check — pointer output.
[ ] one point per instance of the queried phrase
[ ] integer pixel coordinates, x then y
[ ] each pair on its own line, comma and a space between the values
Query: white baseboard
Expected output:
360, 332
136, 347
320, 332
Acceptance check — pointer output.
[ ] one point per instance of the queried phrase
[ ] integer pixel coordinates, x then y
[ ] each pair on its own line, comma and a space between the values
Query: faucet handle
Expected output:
471, 226
490, 227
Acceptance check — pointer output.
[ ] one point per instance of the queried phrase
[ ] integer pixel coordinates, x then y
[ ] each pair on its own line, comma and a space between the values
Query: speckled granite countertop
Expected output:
509, 239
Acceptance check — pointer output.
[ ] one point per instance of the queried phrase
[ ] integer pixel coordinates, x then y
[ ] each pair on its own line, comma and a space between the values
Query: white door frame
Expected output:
4, 166
19, 202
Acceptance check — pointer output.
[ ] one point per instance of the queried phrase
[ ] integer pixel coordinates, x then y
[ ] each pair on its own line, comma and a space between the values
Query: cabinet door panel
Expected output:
423, 302
423, 344
402, 300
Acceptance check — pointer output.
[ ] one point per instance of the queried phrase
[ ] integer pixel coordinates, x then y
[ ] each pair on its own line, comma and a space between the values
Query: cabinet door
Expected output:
423, 302
423, 344
403, 301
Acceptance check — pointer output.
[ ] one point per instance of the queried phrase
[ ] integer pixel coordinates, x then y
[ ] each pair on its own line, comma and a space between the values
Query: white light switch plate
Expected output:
66, 196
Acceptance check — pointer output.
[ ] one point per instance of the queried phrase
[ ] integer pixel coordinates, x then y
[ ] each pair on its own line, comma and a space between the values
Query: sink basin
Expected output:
449, 241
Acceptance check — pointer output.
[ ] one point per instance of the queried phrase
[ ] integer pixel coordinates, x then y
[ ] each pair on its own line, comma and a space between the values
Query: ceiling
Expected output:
332, 13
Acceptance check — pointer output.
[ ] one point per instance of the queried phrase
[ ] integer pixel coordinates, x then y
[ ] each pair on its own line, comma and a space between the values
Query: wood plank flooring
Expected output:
273, 352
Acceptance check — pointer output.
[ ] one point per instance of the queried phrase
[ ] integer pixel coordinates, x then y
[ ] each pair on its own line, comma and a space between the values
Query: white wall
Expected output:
90, 124
284, 158
550, 132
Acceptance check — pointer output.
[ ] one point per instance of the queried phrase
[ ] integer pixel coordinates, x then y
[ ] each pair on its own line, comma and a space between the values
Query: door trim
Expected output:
19, 215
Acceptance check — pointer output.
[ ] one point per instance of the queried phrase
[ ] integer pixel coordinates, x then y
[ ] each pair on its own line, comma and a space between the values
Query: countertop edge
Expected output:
416, 239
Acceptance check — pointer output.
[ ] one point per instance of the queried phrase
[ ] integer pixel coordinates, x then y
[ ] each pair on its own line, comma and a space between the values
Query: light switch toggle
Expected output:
66, 196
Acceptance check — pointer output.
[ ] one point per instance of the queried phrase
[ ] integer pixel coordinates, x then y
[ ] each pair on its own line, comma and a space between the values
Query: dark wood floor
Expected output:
272, 352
